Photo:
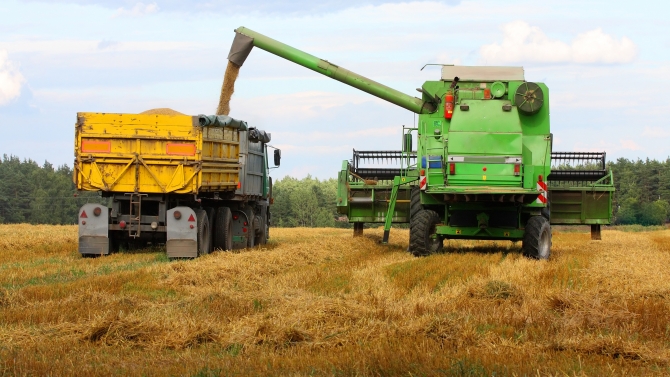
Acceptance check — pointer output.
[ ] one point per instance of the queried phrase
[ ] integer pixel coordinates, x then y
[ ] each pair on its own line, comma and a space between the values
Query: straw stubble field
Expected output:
319, 302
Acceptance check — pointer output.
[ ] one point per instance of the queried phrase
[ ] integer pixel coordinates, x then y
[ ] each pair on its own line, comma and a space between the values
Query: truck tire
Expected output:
211, 215
537, 238
223, 229
204, 234
114, 242
261, 237
422, 240
251, 239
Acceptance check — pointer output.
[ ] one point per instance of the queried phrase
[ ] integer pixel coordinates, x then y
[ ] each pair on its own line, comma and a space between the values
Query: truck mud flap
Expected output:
182, 233
242, 229
93, 229
94, 245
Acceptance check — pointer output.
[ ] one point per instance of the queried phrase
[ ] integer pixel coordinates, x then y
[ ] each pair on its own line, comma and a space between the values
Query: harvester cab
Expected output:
482, 168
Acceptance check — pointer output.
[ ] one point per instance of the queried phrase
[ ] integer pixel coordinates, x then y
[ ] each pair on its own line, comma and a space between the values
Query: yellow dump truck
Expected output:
193, 183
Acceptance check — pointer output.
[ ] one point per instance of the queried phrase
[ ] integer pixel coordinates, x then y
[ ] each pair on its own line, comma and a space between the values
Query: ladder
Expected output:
134, 227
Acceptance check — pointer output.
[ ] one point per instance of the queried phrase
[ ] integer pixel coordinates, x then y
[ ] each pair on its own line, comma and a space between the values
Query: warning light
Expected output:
246, 223
517, 169
452, 168
448, 105
244, 230
177, 215
122, 224
539, 178
235, 217
97, 211
239, 185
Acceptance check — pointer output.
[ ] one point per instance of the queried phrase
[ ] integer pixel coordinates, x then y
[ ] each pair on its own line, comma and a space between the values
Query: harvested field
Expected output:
319, 302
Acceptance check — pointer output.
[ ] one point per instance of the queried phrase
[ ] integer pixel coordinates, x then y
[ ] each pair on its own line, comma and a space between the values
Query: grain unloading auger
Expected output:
482, 168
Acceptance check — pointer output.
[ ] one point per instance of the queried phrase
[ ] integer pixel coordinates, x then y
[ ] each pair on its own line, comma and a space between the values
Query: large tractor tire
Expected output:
414, 204
204, 234
223, 229
423, 239
537, 238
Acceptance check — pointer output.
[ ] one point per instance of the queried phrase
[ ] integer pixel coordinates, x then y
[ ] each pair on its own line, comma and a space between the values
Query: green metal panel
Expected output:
485, 143
572, 206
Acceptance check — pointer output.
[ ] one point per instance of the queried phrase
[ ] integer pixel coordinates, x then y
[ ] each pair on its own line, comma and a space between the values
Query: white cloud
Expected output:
11, 79
525, 43
139, 10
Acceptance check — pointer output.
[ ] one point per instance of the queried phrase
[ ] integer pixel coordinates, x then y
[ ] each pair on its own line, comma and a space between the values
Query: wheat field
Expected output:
320, 302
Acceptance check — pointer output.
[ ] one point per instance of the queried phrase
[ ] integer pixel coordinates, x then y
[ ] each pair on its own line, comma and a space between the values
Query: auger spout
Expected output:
246, 39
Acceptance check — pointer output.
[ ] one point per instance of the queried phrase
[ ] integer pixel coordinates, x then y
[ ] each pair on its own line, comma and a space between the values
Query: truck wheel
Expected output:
113, 242
211, 215
223, 229
203, 232
251, 241
537, 238
259, 228
422, 237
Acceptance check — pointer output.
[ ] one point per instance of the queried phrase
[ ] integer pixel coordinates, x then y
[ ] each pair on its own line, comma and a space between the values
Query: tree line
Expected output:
44, 194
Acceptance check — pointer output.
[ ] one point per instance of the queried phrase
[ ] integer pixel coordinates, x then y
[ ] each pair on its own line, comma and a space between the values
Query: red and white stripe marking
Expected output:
542, 188
422, 183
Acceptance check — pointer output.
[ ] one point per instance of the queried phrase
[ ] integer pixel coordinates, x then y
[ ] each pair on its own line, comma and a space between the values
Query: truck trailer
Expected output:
192, 183
483, 166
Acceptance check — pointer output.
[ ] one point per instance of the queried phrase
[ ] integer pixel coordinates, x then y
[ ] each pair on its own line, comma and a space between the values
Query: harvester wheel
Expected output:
414, 204
204, 234
423, 239
537, 238
223, 229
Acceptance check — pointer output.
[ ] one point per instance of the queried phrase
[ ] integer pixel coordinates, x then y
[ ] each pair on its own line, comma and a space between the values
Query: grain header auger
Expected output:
482, 167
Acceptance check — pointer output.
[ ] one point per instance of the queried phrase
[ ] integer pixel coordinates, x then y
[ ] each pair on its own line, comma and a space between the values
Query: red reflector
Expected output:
452, 168
246, 223
84, 215
539, 178
191, 226
487, 93
517, 169
484, 168
244, 230
122, 224
239, 185
235, 217
191, 218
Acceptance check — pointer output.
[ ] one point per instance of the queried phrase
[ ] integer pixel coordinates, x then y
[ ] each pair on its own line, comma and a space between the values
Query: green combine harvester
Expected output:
483, 167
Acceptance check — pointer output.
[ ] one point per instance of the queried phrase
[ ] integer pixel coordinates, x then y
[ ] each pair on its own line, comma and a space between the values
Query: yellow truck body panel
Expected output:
154, 154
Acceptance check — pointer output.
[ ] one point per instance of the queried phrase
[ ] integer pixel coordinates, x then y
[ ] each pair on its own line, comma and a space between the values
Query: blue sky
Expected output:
607, 64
